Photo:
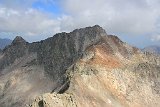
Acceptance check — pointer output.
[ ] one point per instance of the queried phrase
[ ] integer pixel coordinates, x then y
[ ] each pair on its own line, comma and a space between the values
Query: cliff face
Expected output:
62, 50
83, 68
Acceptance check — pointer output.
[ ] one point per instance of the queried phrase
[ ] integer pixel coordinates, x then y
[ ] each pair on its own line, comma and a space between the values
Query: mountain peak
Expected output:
91, 30
18, 40
97, 26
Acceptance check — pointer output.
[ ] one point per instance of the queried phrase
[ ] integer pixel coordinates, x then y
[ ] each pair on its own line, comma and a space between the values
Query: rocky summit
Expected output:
84, 68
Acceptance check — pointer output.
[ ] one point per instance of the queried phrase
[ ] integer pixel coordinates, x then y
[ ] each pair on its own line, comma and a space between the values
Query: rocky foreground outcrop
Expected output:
83, 68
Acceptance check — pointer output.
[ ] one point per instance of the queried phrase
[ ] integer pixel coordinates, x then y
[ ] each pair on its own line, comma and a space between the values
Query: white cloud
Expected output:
30, 21
121, 17
136, 17
156, 38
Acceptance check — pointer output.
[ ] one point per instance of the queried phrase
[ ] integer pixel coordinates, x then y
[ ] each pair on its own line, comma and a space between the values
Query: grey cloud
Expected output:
18, 17
29, 22
121, 17
156, 38
133, 16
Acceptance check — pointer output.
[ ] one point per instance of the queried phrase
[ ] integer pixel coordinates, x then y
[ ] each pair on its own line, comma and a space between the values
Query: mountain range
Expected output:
4, 43
84, 68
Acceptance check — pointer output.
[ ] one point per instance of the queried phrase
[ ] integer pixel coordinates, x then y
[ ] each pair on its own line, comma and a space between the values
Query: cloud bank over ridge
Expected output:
134, 19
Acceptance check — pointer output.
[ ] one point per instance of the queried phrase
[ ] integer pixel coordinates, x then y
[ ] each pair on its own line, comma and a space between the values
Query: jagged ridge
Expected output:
56, 54
59, 52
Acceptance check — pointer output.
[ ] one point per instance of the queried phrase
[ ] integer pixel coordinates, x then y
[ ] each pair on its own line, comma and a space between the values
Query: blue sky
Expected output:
136, 22
52, 7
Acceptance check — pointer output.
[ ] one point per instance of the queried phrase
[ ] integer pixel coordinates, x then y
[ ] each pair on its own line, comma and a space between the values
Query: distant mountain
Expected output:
152, 49
4, 43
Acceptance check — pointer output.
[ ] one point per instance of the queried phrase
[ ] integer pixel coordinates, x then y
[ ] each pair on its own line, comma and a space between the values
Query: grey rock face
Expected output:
18, 41
57, 53
62, 50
